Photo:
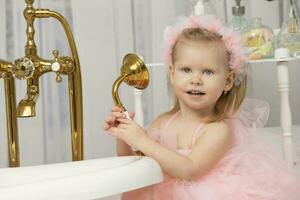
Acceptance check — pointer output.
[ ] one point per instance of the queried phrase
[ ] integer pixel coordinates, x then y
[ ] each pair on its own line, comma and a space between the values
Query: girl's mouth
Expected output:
195, 92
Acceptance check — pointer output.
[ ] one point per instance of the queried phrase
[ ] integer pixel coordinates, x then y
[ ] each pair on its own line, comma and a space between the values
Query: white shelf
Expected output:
269, 60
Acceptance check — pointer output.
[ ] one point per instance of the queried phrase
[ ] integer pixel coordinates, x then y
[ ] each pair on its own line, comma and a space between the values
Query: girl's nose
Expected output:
196, 79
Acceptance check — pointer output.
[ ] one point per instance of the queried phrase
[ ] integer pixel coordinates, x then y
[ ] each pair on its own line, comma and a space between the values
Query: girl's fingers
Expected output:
110, 119
124, 120
117, 112
112, 133
132, 114
123, 126
118, 115
116, 109
113, 120
105, 127
115, 132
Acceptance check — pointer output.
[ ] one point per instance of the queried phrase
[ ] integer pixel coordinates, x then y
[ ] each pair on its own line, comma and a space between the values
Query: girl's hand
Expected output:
129, 131
112, 120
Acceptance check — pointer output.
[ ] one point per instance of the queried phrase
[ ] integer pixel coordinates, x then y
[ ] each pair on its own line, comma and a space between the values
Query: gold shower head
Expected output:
134, 73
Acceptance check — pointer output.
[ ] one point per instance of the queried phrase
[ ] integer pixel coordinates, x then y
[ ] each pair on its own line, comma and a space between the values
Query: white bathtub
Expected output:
88, 179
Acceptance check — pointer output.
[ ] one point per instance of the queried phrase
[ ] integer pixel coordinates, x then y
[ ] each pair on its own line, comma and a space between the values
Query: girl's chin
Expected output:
196, 106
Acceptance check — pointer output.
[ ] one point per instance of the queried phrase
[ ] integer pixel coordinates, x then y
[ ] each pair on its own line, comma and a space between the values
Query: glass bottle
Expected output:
258, 40
238, 22
289, 34
204, 7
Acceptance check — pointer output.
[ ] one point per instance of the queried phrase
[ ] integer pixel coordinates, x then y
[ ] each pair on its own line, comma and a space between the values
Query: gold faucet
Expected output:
31, 67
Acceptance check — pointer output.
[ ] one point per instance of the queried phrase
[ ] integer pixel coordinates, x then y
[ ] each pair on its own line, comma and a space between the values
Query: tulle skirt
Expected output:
248, 175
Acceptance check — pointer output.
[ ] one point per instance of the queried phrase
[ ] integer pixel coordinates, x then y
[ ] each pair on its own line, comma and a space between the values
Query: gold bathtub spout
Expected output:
11, 117
26, 107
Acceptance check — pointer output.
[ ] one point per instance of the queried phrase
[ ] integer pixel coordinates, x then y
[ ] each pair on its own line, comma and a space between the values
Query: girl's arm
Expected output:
123, 149
208, 150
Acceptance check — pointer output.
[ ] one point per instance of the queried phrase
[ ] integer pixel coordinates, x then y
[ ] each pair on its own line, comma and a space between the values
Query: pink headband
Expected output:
231, 39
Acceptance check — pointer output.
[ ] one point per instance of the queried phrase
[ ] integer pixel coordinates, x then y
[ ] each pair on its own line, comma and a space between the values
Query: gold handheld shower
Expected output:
134, 73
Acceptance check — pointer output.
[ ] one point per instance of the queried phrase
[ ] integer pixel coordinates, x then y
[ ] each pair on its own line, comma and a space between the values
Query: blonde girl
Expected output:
205, 144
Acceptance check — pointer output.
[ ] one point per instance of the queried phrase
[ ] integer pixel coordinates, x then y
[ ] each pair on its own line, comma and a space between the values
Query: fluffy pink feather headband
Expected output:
232, 41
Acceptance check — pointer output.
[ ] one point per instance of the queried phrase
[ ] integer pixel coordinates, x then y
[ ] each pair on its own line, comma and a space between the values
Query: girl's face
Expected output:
200, 74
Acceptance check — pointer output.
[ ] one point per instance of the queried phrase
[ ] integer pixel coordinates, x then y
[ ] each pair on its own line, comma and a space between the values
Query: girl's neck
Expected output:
190, 115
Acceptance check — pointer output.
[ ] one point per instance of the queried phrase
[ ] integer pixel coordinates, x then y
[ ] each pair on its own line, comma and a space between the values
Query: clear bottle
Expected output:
204, 7
258, 40
289, 34
238, 22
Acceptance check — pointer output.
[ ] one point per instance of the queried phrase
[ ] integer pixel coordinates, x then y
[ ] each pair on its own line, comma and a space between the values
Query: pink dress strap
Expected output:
170, 120
195, 134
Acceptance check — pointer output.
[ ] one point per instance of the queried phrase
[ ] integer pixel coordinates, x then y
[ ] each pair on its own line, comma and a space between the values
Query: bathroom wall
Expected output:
104, 32
104, 35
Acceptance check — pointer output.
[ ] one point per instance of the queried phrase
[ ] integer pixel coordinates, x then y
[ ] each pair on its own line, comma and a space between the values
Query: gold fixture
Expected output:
31, 67
133, 72
11, 117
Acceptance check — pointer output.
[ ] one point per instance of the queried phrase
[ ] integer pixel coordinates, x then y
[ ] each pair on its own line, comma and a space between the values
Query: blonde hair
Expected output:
228, 103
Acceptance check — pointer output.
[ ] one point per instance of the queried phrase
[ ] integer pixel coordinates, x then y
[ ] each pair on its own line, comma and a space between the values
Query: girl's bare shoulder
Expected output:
218, 129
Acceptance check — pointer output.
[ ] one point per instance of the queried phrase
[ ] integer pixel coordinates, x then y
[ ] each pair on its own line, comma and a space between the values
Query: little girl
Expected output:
205, 144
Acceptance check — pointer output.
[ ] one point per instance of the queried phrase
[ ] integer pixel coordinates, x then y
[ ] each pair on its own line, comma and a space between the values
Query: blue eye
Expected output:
208, 72
186, 70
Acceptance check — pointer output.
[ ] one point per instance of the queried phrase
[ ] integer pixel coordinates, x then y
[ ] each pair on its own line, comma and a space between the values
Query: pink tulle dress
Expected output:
246, 172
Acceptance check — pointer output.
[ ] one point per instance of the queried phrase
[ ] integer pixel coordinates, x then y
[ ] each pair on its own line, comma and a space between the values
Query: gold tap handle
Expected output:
23, 68
55, 66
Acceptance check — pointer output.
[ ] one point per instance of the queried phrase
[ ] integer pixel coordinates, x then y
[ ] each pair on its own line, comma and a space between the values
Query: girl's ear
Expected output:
171, 73
229, 81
